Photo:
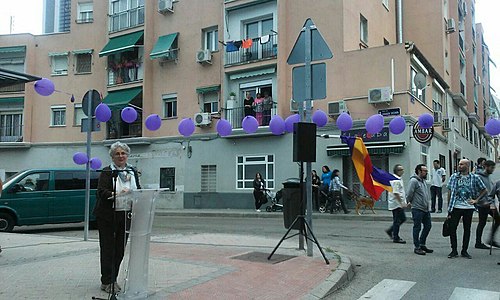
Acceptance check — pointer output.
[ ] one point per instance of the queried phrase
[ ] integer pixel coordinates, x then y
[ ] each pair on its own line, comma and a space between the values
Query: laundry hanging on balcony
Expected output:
245, 44
264, 39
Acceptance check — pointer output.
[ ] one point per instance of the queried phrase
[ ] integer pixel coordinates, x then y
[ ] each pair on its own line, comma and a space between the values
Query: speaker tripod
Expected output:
302, 231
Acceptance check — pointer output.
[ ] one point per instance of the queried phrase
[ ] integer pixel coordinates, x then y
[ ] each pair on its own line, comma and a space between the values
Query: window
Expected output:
258, 28
208, 178
78, 115
170, 106
248, 166
363, 29
210, 102
59, 64
83, 63
35, 182
85, 12
167, 178
424, 155
125, 14
11, 128
210, 39
65, 180
437, 99
58, 116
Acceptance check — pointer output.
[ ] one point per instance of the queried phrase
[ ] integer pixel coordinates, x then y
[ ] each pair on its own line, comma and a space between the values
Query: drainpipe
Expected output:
399, 21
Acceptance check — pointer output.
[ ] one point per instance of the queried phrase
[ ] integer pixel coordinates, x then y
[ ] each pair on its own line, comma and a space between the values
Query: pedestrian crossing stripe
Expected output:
463, 294
388, 289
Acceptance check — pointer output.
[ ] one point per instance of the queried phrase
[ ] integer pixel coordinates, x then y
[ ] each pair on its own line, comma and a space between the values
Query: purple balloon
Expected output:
153, 122
186, 127
397, 125
95, 163
492, 127
102, 112
129, 114
320, 118
426, 120
344, 121
374, 124
290, 120
250, 124
277, 125
44, 87
80, 158
224, 128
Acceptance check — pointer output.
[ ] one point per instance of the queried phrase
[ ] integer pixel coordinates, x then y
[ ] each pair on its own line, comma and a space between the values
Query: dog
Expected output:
362, 201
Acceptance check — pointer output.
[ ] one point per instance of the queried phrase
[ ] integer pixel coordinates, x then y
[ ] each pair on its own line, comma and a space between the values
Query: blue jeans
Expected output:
420, 217
398, 218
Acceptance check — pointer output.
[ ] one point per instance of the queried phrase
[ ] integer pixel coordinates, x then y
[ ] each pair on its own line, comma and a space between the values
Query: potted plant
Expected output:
232, 95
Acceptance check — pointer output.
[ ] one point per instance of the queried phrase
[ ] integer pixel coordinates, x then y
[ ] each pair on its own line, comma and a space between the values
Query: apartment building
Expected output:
198, 59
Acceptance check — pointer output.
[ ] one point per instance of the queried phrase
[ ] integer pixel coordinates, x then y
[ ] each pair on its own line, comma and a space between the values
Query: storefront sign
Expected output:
422, 135
383, 135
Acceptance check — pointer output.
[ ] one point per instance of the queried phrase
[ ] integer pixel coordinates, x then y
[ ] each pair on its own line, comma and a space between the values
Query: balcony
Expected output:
126, 19
121, 130
123, 75
236, 115
256, 52
12, 133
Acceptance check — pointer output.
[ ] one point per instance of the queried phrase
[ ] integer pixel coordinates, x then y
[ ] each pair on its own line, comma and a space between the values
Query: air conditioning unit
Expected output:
202, 119
450, 26
380, 95
438, 117
336, 108
446, 124
204, 56
165, 6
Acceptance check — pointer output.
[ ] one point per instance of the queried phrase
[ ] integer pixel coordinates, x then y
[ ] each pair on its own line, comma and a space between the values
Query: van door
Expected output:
31, 198
68, 204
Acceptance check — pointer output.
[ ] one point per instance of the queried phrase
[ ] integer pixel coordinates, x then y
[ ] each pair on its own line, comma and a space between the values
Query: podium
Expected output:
143, 209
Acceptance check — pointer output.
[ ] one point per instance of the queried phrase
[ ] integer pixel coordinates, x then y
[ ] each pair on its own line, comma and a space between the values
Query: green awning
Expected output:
82, 51
12, 100
8, 77
163, 45
252, 73
381, 148
13, 49
121, 43
208, 89
120, 99
58, 53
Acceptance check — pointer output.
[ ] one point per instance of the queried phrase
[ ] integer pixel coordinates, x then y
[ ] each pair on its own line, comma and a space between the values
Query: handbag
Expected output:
446, 228
263, 198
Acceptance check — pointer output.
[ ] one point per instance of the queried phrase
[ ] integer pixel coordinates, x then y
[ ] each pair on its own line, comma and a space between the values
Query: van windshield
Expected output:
10, 178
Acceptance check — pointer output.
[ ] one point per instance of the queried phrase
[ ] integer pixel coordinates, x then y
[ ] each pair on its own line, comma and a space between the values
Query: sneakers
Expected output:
107, 288
481, 246
257, 210
465, 254
419, 251
427, 250
399, 241
440, 211
453, 254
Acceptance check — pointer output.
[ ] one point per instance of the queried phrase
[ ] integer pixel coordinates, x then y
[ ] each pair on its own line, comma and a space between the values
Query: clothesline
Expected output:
232, 46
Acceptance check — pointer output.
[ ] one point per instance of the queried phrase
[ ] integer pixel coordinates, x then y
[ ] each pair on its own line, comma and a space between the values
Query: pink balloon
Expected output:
153, 122
95, 163
290, 120
374, 124
250, 124
44, 87
102, 112
186, 127
129, 114
277, 125
344, 121
224, 128
80, 158
320, 118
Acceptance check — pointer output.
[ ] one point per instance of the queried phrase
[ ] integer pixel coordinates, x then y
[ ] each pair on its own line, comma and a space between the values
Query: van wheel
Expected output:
6, 222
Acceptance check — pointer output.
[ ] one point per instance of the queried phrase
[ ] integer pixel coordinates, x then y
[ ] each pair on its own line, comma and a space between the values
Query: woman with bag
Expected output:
258, 191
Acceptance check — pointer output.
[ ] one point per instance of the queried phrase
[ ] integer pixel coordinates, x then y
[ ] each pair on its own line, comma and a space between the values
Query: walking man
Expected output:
465, 190
397, 204
486, 205
418, 199
438, 176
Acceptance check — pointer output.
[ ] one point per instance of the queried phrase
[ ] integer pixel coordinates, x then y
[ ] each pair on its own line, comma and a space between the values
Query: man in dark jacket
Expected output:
486, 205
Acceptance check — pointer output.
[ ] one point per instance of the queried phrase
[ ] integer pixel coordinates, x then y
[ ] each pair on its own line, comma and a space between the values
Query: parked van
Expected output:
45, 196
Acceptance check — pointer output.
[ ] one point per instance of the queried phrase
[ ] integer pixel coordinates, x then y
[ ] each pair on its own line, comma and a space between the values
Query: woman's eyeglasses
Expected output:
121, 154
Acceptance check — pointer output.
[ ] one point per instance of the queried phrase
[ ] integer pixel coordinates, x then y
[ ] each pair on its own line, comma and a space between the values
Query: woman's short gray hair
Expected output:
117, 145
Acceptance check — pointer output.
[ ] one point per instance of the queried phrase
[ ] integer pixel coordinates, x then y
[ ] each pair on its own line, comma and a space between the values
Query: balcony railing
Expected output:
119, 130
126, 19
123, 75
235, 116
13, 88
256, 52
11, 133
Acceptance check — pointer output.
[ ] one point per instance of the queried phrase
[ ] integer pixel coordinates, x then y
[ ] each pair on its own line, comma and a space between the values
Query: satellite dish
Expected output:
420, 81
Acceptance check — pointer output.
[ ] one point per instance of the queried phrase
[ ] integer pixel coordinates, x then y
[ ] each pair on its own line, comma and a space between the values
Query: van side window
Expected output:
74, 180
35, 182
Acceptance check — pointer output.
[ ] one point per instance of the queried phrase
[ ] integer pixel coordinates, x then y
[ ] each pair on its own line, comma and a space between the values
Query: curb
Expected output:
339, 278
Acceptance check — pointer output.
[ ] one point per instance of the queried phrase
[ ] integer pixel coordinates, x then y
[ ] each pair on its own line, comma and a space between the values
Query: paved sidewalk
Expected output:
197, 266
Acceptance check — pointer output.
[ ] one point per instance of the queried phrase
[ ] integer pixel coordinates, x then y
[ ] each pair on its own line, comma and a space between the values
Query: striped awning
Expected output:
381, 148
252, 73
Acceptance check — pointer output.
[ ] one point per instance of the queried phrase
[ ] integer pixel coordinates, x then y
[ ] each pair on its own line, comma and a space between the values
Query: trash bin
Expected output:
293, 205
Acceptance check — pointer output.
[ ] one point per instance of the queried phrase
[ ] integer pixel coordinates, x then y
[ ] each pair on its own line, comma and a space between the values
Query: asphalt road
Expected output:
374, 255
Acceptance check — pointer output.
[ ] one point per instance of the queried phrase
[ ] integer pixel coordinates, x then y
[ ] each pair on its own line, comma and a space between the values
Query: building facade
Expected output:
198, 59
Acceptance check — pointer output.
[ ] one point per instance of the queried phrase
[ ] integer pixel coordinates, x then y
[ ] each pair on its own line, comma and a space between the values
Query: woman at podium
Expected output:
112, 215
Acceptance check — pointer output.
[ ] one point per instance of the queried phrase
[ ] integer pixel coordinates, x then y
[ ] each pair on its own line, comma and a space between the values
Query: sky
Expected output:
28, 18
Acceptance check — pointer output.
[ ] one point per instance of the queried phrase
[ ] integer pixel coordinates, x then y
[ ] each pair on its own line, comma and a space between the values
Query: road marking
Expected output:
389, 289
465, 294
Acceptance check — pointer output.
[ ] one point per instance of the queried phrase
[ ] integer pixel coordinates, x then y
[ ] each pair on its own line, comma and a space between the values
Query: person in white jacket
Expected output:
396, 204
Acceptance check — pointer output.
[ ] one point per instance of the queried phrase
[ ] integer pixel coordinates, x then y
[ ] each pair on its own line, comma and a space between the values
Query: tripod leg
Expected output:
317, 243
283, 238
